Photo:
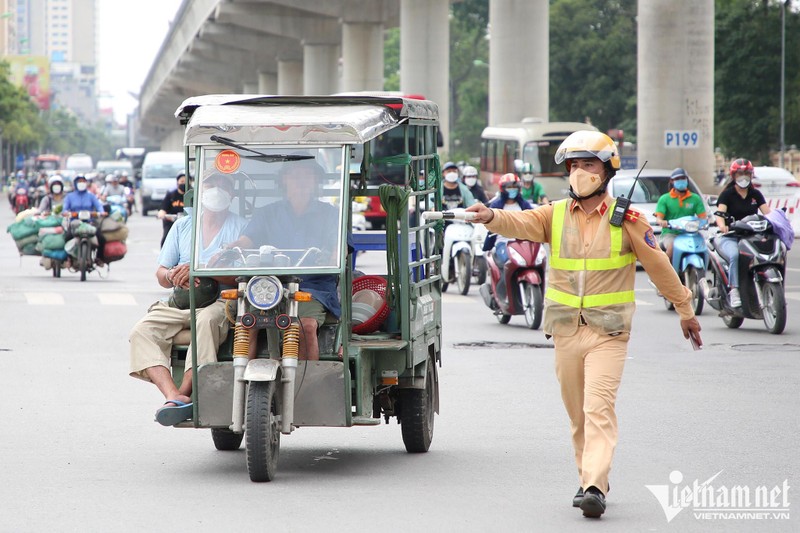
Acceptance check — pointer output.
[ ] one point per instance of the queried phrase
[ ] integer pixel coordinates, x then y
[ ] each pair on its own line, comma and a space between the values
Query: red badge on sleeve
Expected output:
631, 215
650, 238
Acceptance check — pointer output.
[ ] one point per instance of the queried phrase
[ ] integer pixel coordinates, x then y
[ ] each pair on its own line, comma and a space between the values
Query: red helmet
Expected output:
508, 180
741, 165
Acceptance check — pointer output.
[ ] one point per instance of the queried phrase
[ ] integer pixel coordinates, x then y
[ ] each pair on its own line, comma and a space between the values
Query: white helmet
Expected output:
469, 171
55, 178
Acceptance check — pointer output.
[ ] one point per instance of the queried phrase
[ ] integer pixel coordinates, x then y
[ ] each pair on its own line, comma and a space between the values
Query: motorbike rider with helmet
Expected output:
737, 200
454, 193
589, 300
678, 202
470, 176
531, 190
82, 200
112, 187
54, 200
172, 204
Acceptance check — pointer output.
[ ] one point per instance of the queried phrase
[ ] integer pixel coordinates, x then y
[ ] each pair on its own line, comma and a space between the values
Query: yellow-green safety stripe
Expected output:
614, 261
589, 300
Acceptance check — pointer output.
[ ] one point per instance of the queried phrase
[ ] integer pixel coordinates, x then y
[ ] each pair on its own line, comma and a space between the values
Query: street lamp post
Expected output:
783, 80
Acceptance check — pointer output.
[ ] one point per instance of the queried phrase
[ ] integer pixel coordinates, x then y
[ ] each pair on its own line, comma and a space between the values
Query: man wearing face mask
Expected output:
678, 202
82, 200
150, 338
589, 300
172, 204
532, 191
454, 193
470, 175
737, 200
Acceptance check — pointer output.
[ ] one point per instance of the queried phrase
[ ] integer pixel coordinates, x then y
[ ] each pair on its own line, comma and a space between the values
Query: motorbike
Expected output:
690, 258
117, 207
522, 289
479, 265
82, 248
21, 200
458, 253
762, 267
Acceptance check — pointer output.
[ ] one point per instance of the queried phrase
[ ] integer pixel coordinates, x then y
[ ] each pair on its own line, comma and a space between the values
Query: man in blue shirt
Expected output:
151, 337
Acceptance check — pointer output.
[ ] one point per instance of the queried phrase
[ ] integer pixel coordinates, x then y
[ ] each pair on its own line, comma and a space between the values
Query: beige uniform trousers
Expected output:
151, 337
589, 368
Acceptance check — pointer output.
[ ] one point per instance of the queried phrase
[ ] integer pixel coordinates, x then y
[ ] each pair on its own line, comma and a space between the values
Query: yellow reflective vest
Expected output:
593, 281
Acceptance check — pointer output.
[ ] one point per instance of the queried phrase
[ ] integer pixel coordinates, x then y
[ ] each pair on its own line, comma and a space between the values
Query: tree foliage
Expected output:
593, 62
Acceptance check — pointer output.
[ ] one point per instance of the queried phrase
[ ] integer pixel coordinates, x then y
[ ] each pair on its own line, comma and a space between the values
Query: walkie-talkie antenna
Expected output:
633, 186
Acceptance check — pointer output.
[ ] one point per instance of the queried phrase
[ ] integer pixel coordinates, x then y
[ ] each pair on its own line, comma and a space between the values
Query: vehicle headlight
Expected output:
692, 226
516, 257
264, 292
540, 257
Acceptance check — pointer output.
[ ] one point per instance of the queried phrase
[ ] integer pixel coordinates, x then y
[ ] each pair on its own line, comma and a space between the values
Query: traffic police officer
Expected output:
589, 302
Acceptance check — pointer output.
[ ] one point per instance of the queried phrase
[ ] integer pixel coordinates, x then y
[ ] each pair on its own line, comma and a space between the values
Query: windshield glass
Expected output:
648, 190
541, 154
272, 208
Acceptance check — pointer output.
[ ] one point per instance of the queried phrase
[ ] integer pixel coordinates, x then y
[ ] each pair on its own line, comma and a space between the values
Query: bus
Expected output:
532, 141
48, 163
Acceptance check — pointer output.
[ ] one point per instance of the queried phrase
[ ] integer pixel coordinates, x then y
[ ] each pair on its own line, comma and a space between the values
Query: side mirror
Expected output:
712, 200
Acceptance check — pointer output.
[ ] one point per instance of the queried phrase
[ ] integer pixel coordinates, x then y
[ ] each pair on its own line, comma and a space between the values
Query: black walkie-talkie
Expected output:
621, 207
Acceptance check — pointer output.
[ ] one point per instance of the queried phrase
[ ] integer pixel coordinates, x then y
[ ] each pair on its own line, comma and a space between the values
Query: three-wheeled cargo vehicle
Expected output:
293, 166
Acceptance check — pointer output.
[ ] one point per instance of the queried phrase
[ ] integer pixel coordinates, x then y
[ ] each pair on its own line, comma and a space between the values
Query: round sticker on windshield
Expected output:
227, 161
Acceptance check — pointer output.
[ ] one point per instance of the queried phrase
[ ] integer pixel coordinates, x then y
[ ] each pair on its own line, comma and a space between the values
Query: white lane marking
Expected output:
790, 269
642, 302
793, 296
116, 298
44, 298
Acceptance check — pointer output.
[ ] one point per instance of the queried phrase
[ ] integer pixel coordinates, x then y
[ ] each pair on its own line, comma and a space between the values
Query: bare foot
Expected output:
181, 398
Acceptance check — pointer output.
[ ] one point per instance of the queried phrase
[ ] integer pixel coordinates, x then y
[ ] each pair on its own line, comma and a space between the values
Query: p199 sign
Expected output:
681, 139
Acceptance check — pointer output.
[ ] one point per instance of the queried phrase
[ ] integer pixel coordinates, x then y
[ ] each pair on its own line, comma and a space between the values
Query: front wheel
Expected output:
262, 436
481, 268
534, 303
732, 322
84, 258
774, 307
226, 440
693, 281
503, 319
416, 413
56, 268
463, 272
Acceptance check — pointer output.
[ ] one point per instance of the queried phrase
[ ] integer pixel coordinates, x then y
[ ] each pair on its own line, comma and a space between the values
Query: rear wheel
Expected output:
226, 440
774, 307
534, 303
732, 322
84, 258
262, 436
503, 319
463, 272
416, 413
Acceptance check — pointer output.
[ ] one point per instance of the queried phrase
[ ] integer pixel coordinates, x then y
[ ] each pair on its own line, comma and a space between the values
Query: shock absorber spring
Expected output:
241, 340
291, 341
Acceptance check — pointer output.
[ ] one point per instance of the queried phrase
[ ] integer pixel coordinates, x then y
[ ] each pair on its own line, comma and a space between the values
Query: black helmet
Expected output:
205, 294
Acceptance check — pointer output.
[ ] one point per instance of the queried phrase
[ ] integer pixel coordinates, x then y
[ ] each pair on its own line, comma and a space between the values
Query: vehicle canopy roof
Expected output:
299, 120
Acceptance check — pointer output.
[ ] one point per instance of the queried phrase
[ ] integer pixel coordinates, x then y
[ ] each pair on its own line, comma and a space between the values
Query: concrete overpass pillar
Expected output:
676, 86
519, 60
320, 68
173, 141
249, 88
267, 83
425, 54
290, 77
362, 56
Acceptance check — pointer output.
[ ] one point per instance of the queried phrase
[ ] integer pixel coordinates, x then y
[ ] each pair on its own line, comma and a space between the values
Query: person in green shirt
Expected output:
678, 202
531, 191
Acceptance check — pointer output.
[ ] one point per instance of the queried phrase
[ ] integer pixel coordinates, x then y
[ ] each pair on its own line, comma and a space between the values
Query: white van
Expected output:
159, 171
80, 164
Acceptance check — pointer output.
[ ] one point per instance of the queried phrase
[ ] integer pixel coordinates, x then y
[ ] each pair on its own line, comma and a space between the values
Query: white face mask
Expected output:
527, 178
216, 199
56, 189
451, 177
743, 182
81, 186
470, 181
584, 183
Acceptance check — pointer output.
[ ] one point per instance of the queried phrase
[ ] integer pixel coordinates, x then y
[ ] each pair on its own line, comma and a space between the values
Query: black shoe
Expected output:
578, 498
594, 503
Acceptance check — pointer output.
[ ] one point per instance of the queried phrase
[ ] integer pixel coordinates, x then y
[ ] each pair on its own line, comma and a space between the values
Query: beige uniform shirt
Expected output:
535, 225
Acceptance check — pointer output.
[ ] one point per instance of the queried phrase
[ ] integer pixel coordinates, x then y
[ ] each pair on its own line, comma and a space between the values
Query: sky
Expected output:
129, 36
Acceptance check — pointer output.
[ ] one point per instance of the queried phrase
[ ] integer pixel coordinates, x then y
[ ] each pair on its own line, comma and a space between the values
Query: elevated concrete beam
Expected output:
218, 53
250, 40
279, 20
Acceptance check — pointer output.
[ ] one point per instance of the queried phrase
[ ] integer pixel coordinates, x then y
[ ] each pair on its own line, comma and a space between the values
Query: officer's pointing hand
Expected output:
692, 327
483, 215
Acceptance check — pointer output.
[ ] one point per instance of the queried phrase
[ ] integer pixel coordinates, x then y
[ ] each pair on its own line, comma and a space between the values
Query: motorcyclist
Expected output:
678, 202
510, 199
737, 200
470, 177
82, 200
454, 193
125, 181
172, 205
112, 188
531, 190
54, 200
